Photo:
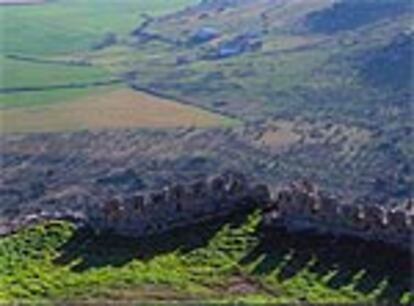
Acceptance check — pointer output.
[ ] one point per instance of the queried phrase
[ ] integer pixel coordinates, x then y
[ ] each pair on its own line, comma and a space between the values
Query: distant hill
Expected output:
331, 61
352, 14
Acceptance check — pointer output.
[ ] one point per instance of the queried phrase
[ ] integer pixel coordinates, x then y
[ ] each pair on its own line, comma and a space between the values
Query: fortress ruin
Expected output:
298, 207
303, 207
177, 206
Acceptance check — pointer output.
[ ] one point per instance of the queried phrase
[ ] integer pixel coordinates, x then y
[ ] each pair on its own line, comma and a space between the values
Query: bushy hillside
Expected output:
352, 14
347, 62
227, 260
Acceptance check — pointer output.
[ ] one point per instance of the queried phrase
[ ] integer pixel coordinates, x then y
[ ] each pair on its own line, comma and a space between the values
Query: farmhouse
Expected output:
204, 34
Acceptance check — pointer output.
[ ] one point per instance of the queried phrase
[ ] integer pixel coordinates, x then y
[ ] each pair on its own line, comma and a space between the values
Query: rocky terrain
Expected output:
72, 170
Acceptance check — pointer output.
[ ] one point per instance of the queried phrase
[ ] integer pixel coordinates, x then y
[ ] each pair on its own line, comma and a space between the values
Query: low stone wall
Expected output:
302, 207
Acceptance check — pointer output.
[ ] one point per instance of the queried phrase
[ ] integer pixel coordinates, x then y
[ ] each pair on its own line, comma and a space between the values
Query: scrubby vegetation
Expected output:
227, 260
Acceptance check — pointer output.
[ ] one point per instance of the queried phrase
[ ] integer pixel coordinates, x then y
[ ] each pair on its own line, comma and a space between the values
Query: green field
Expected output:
66, 26
47, 38
26, 74
63, 28
30, 100
221, 261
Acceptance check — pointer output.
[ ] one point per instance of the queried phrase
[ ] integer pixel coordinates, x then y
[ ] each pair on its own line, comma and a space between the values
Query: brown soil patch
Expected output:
279, 136
122, 108
241, 286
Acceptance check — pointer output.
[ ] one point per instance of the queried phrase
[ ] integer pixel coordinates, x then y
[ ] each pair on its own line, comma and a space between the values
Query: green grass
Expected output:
21, 74
17, 73
66, 26
54, 262
34, 99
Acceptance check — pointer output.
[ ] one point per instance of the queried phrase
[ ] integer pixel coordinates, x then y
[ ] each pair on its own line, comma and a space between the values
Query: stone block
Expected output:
158, 197
260, 194
199, 189
329, 210
283, 201
375, 218
177, 192
113, 210
235, 188
398, 221
352, 216
217, 185
138, 203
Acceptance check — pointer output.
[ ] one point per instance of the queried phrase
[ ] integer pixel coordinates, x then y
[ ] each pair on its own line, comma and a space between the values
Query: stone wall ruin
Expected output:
301, 206
177, 206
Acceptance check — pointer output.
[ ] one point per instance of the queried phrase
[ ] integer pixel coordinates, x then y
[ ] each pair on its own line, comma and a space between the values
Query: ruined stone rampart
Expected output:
302, 207
298, 207
178, 205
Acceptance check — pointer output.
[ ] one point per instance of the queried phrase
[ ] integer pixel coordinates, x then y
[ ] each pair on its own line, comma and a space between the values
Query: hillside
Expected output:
227, 260
100, 99
301, 99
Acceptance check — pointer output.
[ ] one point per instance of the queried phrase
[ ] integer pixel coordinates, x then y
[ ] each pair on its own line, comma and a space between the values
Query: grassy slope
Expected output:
67, 26
63, 27
316, 76
299, 73
217, 261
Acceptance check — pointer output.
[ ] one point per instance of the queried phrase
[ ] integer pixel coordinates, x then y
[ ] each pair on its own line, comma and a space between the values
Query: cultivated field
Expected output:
20, 74
38, 75
66, 26
123, 108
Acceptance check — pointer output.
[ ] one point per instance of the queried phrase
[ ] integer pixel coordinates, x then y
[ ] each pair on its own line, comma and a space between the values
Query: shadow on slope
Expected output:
370, 268
85, 250
390, 66
352, 14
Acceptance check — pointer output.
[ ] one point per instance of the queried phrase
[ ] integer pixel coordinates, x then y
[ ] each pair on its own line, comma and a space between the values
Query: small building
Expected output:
204, 34
238, 45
